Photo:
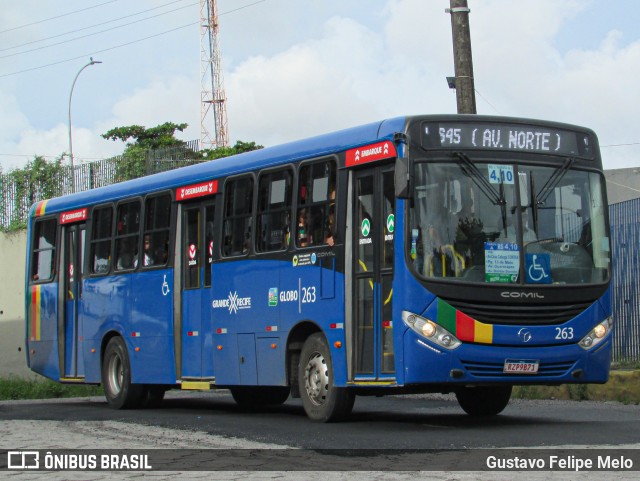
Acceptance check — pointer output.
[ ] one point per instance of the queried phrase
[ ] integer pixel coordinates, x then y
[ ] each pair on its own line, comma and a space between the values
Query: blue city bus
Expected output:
451, 253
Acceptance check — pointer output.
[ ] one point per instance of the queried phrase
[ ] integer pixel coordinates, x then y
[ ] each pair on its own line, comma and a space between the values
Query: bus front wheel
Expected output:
322, 400
483, 400
116, 377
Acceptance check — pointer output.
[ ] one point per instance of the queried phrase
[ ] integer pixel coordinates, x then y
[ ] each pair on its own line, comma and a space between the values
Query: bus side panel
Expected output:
42, 330
103, 308
134, 306
408, 294
268, 298
151, 319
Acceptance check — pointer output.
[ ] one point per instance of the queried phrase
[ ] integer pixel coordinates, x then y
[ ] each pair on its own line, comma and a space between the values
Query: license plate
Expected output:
521, 367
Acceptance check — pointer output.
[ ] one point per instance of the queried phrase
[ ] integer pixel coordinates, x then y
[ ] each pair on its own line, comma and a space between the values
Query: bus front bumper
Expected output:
425, 363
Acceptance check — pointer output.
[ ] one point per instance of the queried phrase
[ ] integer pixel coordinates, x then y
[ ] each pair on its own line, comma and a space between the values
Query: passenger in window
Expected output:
302, 229
329, 231
162, 253
127, 259
148, 252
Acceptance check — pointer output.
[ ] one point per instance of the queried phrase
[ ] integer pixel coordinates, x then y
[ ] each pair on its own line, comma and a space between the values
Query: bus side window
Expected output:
44, 251
315, 217
101, 240
238, 203
274, 211
127, 235
157, 223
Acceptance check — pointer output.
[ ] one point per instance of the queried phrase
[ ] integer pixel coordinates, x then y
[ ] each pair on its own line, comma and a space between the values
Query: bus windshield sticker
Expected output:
500, 174
501, 262
538, 267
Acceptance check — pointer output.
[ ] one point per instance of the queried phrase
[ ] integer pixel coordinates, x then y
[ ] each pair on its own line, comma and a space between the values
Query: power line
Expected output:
123, 44
57, 16
100, 51
97, 33
89, 27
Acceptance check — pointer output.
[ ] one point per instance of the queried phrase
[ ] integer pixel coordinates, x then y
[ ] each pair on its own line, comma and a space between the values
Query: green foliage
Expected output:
13, 388
139, 141
39, 179
158, 137
239, 148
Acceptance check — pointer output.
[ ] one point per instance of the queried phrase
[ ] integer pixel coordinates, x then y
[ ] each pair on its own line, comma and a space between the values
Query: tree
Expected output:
134, 161
238, 148
158, 137
136, 158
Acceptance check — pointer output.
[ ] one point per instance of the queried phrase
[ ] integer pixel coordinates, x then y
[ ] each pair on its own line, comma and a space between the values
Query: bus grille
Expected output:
489, 369
522, 314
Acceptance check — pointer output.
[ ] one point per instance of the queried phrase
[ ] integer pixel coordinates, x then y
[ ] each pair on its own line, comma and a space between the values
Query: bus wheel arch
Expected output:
297, 336
119, 391
322, 400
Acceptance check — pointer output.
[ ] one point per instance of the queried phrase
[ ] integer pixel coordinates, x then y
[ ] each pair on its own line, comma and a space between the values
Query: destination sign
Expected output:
77, 215
511, 137
197, 190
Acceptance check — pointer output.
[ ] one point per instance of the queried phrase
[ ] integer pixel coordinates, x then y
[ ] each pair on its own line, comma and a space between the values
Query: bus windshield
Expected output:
508, 223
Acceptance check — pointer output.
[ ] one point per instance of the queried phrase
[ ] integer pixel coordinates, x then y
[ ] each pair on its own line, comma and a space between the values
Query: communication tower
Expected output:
212, 99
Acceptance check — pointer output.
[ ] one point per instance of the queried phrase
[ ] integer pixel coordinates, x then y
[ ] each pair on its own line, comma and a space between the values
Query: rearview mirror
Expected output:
403, 178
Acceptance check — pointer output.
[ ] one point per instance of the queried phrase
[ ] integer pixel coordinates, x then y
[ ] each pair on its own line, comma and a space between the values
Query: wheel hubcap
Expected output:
116, 375
316, 379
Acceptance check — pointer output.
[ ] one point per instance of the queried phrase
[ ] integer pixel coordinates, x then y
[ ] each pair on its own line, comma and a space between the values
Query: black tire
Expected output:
485, 400
256, 397
153, 396
322, 401
116, 377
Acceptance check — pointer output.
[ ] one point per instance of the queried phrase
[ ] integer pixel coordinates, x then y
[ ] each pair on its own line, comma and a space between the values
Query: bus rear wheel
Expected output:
116, 377
322, 401
483, 400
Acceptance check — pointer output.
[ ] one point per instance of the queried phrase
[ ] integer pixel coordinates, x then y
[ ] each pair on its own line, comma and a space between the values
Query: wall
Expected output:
12, 331
12, 264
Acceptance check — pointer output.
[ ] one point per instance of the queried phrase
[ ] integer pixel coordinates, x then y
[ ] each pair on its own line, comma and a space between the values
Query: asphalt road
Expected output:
194, 421
392, 422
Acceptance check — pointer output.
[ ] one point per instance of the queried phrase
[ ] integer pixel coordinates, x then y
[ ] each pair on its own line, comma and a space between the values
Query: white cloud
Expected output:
348, 72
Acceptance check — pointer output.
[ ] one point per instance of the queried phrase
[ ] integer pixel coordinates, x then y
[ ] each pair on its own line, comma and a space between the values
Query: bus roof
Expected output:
325, 144
246, 162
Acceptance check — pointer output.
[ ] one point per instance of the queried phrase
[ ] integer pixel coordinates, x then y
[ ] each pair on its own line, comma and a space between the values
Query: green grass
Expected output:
14, 388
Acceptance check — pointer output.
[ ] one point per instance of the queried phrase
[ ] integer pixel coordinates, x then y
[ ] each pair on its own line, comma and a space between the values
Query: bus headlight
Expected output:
597, 334
430, 330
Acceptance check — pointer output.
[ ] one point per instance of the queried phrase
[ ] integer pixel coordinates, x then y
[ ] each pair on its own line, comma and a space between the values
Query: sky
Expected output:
298, 68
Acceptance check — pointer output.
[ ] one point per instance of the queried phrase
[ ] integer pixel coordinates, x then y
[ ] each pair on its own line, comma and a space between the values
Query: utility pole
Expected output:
463, 62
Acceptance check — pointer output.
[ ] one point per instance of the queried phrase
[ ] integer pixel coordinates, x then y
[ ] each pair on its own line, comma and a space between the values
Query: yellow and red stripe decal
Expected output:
34, 312
462, 326
41, 208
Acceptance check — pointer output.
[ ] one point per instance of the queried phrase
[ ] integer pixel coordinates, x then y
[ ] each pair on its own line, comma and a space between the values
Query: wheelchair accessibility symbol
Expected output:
165, 286
538, 268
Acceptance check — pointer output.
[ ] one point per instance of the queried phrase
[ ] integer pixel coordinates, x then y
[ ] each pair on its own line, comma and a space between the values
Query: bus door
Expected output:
70, 325
197, 257
373, 239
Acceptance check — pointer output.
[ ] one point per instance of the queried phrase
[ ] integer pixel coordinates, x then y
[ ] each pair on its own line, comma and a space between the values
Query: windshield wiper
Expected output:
496, 196
553, 181
470, 169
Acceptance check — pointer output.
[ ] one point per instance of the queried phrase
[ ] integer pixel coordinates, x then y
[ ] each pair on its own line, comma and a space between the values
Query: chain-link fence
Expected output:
21, 189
